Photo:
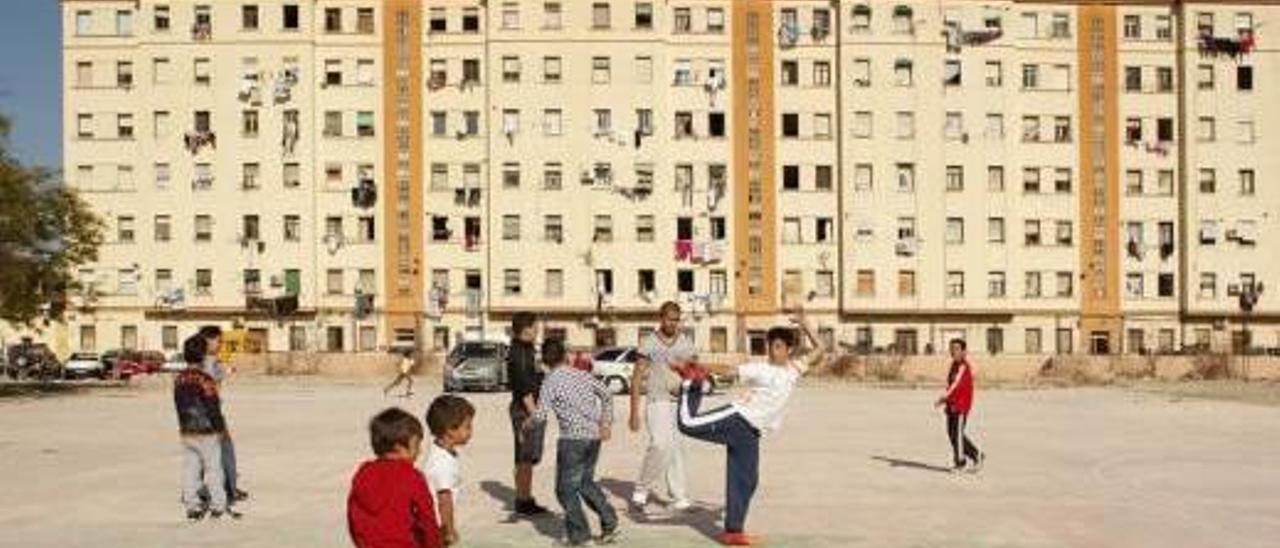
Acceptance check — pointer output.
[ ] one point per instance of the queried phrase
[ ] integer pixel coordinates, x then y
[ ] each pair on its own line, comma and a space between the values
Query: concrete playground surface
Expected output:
853, 466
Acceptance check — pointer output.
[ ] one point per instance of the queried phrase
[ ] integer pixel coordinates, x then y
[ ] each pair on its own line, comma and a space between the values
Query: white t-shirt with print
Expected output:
770, 386
440, 466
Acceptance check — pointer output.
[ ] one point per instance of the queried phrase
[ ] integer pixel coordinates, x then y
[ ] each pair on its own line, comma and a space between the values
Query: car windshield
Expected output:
608, 355
480, 351
84, 357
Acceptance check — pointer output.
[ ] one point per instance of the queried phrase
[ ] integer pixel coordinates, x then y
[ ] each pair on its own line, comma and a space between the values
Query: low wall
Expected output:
1028, 368
338, 365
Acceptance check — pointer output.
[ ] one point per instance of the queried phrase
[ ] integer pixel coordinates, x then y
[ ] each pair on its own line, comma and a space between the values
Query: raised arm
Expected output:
820, 350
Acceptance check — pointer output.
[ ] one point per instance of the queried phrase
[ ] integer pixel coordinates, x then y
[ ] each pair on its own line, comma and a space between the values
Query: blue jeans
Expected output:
575, 483
725, 426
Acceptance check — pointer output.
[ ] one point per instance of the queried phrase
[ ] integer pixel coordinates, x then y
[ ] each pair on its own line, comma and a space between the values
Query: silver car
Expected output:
476, 365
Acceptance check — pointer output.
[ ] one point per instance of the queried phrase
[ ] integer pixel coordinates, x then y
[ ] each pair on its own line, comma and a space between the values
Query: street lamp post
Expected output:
1248, 300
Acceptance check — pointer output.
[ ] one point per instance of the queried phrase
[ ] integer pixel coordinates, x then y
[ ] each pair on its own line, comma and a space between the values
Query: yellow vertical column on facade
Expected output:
1099, 174
402, 164
755, 245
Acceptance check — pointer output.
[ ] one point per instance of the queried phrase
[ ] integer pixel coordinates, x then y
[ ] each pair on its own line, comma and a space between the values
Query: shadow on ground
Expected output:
548, 526
702, 519
915, 465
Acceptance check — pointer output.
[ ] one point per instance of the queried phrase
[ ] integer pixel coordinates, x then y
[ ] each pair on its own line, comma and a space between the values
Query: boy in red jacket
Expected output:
390, 504
959, 400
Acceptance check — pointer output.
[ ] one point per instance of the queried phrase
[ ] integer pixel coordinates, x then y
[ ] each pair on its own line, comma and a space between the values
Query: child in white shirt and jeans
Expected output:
449, 419
739, 425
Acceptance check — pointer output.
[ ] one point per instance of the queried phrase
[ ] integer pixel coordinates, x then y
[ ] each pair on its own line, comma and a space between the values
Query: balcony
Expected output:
1212, 47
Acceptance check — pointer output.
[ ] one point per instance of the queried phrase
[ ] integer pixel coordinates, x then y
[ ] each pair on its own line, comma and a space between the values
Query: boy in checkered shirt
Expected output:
584, 410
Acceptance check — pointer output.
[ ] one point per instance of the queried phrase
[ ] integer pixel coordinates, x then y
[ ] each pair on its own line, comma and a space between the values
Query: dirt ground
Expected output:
852, 466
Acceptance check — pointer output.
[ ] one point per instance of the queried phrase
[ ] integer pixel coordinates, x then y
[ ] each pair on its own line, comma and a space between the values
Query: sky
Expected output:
30, 74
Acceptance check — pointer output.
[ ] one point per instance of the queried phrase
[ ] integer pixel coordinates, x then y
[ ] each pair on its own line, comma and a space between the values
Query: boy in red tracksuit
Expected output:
959, 400
390, 504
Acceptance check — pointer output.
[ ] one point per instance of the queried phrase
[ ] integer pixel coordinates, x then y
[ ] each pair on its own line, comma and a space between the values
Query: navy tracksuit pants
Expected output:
725, 426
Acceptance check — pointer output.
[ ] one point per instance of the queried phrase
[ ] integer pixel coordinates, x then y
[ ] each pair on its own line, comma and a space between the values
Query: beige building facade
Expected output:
1034, 177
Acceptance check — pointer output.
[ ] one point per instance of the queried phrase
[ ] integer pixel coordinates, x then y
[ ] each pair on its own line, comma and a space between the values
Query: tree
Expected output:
46, 233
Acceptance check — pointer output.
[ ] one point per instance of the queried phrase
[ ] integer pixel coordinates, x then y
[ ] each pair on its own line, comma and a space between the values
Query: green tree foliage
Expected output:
46, 233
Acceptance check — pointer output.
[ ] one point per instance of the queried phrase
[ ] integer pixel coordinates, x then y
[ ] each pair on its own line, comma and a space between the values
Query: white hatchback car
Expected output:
83, 365
614, 367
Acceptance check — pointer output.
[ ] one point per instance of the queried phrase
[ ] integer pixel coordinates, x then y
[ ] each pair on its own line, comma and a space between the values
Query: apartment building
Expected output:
346, 175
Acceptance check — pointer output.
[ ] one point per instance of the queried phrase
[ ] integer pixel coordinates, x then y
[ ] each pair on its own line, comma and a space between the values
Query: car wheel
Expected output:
615, 384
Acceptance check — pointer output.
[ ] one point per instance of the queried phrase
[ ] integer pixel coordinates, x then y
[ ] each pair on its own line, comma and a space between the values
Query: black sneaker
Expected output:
611, 536
195, 515
530, 508
239, 495
215, 514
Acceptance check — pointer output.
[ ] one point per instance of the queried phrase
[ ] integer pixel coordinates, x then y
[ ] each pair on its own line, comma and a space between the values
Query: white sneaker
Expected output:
682, 505
640, 498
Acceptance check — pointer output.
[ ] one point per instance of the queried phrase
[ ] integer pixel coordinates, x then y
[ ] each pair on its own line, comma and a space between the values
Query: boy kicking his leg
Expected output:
738, 426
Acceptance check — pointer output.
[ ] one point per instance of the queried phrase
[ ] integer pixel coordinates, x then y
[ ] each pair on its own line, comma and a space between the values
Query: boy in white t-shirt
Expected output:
449, 419
738, 426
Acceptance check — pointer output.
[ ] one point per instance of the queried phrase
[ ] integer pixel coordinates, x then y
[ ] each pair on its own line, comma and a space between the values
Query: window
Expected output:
995, 178
554, 283
1164, 285
1164, 28
1164, 130
1061, 26
552, 176
1208, 181
955, 178
996, 285
125, 230
84, 23
1244, 78
906, 125
1062, 129
951, 73
902, 20
124, 23
1132, 27
822, 178
124, 74
821, 125
250, 176
603, 229
955, 230
600, 15
333, 123
1064, 284
364, 20
600, 70
821, 74
866, 283
1033, 285
1244, 131
862, 177
292, 228
1030, 76
994, 130
1031, 229
685, 281
333, 72
292, 176
1064, 232
290, 17
1206, 129
249, 17
1133, 79
1164, 80
790, 125
201, 68
437, 21
644, 16
334, 281
1062, 180
204, 228
249, 124
364, 123
955, 284
791, 230
790, 72
906, 283
1133, 285
333, 20
1208, 285
995, 230
511, 228
1032, 343
902, 73
862, 73
511, 68
1031, 180
906, 177
1247, 182
644, 228
161, 20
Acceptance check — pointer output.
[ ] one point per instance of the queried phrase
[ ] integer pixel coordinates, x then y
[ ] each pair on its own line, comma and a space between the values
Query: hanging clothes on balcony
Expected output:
684, 250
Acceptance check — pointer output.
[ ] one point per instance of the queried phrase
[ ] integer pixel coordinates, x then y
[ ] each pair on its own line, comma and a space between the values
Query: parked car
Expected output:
149, 361
32, 360
123, 364
174, 364
613, 366
83, 365
476, 365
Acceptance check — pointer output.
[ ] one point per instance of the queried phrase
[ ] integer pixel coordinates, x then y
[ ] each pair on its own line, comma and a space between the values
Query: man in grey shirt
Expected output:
660, 353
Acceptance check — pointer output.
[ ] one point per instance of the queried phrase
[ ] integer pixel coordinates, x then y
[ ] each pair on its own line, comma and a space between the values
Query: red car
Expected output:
135, 362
